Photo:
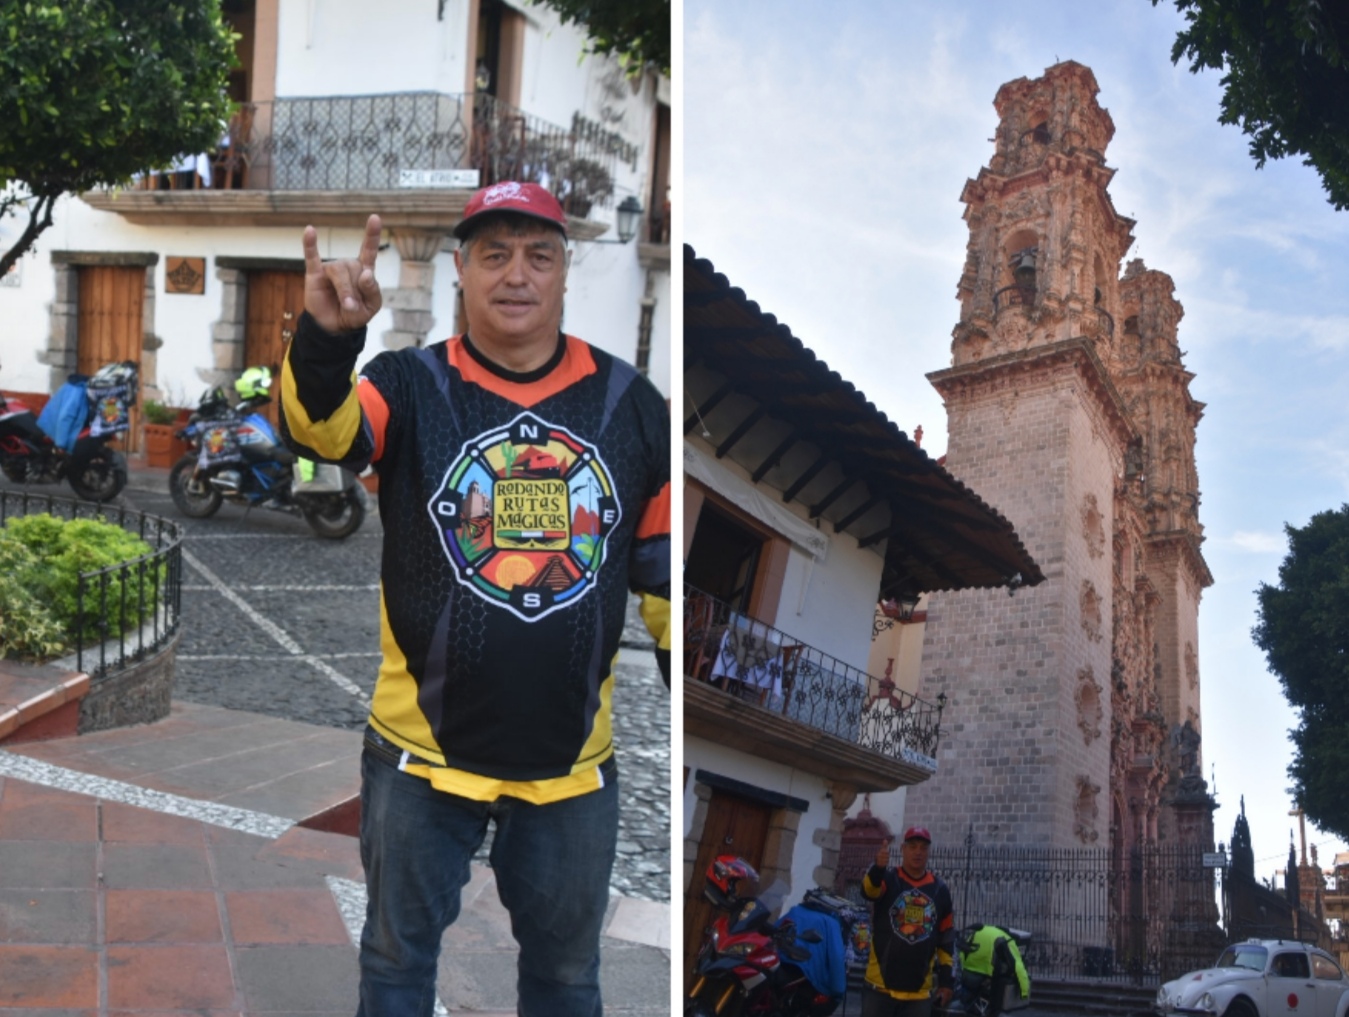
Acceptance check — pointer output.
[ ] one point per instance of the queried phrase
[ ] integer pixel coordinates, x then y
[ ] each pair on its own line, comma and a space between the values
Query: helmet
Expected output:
108, 375
723, 880
254, 382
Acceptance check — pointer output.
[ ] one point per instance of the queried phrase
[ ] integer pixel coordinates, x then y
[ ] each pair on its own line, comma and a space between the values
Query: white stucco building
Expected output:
198, 274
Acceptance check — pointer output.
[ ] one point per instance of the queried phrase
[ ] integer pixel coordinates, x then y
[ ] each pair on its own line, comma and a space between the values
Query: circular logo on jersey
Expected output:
524, 514
913, 916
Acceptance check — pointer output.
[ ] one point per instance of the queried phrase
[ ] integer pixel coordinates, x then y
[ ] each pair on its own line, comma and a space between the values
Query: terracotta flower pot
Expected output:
162, 449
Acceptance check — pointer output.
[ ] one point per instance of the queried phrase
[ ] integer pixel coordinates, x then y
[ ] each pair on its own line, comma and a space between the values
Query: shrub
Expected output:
157, 413
27, 628
57, 551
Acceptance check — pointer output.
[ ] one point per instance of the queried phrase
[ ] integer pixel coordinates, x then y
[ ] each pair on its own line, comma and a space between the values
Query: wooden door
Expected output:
109, 326
735, 826
275, 300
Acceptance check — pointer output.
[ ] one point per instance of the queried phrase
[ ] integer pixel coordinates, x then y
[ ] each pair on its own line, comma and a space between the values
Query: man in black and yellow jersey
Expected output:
912, 933
524, 489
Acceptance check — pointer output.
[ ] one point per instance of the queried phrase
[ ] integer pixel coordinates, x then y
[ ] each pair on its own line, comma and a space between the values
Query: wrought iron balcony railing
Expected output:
753, 661
381, 142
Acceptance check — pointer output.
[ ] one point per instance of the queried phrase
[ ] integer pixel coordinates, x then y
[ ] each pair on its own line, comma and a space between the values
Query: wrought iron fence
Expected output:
778, 672
1138, 917
369, 142
124, 612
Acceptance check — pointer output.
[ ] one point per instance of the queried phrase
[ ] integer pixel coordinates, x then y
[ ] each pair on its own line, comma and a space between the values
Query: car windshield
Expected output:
1252, 957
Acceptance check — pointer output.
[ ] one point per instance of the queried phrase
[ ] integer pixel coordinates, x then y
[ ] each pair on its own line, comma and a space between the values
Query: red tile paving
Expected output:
284, 916
108, 909
48, 976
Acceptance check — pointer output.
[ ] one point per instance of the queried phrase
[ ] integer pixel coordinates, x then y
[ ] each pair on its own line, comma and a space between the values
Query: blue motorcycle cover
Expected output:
66, 412
826, 968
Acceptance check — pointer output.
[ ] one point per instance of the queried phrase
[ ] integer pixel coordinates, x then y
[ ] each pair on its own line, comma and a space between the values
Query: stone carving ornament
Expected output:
1091, 611
1089, 711
1093, 526
1085, 811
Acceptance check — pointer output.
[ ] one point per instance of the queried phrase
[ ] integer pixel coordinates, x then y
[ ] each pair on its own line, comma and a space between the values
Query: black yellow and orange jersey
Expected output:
912, 933
518, 512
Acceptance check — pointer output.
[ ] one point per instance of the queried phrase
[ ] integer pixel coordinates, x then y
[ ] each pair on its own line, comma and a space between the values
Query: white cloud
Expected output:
1259, 543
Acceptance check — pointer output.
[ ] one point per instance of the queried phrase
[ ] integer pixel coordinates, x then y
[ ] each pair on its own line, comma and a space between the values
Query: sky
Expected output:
825, 149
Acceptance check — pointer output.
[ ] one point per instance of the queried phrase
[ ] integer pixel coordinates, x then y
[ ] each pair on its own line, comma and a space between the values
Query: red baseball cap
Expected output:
918, 833
511, 196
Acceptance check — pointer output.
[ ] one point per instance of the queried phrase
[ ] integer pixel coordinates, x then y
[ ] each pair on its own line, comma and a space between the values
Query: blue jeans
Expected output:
551, 863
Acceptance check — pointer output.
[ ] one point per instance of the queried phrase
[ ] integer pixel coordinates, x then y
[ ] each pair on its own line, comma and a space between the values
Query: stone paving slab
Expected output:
279, 767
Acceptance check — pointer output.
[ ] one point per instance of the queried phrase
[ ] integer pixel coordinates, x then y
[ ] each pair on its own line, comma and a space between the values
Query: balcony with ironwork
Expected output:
755, 688
414, 157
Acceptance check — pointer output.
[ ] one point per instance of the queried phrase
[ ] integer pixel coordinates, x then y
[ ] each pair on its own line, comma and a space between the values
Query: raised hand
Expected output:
883, 855
342, 295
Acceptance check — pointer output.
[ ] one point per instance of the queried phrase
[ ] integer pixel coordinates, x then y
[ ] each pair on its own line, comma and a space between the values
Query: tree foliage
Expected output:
1286, 77
1303, 627
636, 31
94, 91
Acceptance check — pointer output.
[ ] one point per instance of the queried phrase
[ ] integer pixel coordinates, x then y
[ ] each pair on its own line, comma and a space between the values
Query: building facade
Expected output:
1073, 715
197, 273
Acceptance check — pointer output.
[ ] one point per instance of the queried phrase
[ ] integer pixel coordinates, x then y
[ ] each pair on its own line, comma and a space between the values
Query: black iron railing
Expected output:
124, 612
1013, 296
1141, 916
776, 671
404, 139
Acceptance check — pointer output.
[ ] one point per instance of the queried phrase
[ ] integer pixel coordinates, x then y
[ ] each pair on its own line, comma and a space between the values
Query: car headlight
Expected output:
1163, 1000
1205, 1002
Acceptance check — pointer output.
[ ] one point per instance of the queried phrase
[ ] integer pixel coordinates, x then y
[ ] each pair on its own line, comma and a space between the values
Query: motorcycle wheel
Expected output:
98, 475
195, 499
336, 515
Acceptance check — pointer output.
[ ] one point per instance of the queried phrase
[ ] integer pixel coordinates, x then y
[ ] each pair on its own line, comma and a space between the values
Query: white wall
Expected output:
700, 754
826, 604
335, 47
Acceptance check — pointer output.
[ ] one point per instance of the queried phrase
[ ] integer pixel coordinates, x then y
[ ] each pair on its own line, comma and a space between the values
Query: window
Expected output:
724, 557
1291, 965
498, 48
1324, 967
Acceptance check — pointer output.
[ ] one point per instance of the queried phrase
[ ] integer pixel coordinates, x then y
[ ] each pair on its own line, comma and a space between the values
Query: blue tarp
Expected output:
66, 412
826, 968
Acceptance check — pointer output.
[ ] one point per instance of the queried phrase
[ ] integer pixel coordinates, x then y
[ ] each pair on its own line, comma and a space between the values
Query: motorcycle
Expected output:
235, 456
90, 413
989, 995
749, 964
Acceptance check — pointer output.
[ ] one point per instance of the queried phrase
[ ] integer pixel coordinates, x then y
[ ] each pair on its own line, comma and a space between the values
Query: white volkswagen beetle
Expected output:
1261, 978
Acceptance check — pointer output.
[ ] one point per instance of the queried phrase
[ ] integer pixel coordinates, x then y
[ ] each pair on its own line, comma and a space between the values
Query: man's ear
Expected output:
459, 260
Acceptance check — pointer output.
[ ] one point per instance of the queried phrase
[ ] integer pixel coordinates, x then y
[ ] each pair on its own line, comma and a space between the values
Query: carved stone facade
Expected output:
1069, 409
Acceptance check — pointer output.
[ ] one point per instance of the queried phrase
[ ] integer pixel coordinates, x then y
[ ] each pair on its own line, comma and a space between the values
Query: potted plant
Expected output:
161, 447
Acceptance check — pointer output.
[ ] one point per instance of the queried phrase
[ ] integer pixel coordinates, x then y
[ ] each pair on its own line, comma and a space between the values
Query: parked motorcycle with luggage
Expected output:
236, 456
750, 964
69, 440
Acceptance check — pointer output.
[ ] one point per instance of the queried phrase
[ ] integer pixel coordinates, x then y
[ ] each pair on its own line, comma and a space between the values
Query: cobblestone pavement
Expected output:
279, 622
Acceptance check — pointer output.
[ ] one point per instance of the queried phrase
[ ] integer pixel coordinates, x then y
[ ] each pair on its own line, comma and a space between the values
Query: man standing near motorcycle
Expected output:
524, 490
912, 932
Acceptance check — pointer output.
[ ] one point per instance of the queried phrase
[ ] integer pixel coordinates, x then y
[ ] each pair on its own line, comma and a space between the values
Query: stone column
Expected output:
411, 301
150, 343
830, 841
63, 342
227, 334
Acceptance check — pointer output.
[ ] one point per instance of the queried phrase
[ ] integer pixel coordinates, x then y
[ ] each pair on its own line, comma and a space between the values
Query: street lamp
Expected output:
629, 215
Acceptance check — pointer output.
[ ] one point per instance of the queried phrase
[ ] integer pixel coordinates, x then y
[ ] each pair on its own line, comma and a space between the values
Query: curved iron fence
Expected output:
125, 612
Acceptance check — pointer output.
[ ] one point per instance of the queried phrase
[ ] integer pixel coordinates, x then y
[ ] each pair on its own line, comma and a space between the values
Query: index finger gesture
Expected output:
342, 295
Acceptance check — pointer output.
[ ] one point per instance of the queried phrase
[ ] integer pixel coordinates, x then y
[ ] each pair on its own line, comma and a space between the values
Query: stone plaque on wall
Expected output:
184, 275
